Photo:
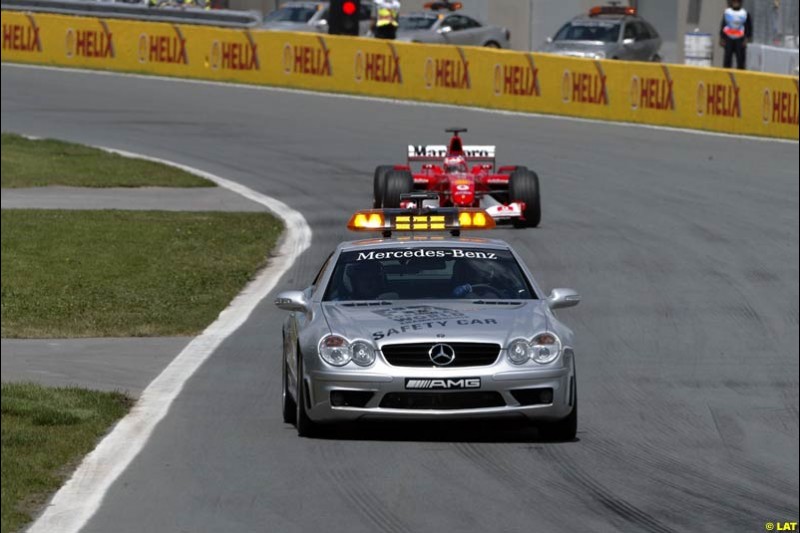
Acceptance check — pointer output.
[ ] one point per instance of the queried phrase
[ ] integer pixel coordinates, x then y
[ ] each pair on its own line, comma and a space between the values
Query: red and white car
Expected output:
462, 176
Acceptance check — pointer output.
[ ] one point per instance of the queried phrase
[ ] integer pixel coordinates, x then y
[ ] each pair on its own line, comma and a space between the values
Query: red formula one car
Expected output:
463, 176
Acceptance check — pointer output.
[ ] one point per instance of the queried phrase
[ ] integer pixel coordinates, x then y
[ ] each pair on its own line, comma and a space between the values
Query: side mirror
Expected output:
445, 29
627, 42
561, 298
292, 301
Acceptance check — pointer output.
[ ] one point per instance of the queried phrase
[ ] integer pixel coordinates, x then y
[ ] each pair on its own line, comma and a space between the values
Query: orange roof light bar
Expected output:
612, 10
474, 219
413, 219
443, 4
371, 220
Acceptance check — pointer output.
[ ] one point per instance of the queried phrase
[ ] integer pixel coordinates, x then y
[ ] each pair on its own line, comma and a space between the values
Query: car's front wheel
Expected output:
288, 403
305, 426
566, 429
563, 430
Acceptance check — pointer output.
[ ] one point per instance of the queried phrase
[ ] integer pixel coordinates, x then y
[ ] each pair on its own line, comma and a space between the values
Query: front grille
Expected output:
416, 355
442, 400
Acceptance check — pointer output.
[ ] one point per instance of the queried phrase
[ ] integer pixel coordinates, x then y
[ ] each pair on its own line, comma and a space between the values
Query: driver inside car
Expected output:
365, 281
455, 164
464, 277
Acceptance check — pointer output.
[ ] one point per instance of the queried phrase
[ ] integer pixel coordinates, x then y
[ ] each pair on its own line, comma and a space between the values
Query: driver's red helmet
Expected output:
455, 163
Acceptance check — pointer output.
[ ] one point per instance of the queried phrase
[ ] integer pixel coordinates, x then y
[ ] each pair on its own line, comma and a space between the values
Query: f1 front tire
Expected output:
523, 185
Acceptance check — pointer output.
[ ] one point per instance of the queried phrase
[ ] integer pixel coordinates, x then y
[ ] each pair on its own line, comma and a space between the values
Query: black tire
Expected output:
502, 195
289, 406
397, 182
378, 183
563, 430
492, 44
566, 429
305, 426
523, 186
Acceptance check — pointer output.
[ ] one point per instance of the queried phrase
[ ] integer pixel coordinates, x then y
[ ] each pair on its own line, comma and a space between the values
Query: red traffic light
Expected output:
348, 8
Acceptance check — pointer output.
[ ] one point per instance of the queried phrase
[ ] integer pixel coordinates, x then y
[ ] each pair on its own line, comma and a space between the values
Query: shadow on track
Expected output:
488, 431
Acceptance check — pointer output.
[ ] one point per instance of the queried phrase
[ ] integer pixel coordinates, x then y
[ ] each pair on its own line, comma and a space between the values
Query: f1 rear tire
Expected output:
523, 186
378, 184
398, 182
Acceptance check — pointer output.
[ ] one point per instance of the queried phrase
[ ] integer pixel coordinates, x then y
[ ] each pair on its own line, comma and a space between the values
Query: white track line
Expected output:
403, 102
78, 500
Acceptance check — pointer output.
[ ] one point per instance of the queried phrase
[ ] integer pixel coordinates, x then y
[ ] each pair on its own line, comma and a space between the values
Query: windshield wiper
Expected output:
497, 302
365, 303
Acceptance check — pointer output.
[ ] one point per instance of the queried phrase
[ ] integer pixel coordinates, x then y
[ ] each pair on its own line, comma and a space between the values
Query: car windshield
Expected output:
607, 32
291, 14
411, 23
428, 273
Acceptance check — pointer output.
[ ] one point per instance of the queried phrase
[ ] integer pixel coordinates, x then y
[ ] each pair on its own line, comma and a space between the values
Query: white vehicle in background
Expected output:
308, 16
607, 32
450, 28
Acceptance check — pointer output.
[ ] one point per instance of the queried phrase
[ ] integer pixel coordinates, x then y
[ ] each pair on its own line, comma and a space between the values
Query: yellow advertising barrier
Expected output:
671, 95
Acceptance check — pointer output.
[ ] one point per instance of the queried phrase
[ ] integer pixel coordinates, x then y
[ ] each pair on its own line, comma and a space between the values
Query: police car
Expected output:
412, 324
607, 32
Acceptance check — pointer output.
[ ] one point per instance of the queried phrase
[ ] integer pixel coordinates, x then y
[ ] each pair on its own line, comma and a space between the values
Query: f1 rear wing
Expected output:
435, 153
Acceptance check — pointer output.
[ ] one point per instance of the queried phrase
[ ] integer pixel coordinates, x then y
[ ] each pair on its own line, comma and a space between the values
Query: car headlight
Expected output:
363, 354
599, 55
545, 348
335, 350
519, 351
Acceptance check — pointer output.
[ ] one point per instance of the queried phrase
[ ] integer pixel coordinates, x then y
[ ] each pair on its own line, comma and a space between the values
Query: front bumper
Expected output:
584, 54
501, 384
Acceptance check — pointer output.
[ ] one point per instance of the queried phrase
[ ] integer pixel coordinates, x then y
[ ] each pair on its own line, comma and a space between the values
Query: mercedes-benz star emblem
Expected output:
442, 354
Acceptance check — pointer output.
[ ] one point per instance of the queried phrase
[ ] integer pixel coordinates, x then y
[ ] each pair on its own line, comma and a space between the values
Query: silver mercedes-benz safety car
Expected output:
425, 326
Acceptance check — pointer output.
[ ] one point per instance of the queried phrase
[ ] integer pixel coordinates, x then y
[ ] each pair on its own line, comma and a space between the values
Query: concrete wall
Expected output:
710, 16
664, 16
265, 6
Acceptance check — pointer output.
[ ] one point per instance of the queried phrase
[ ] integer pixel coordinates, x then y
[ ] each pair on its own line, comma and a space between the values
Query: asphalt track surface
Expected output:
139, 198
684, 248
125, 365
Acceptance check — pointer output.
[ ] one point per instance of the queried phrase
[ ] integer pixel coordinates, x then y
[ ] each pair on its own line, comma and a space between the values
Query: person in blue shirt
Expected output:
735, 31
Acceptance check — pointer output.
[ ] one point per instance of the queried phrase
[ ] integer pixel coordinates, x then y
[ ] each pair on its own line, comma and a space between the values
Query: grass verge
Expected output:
45, 432
125, 273
39, 163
